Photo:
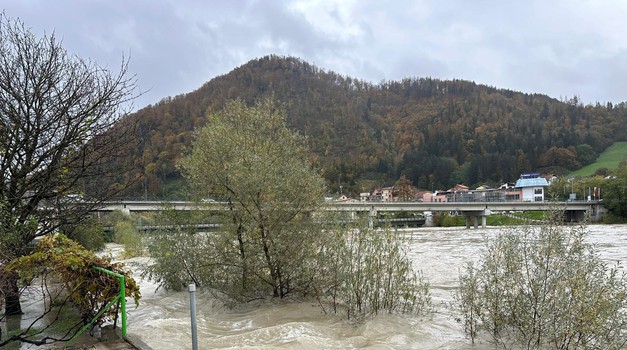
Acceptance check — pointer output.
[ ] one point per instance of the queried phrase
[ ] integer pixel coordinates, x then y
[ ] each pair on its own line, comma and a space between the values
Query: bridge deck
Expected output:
368, 206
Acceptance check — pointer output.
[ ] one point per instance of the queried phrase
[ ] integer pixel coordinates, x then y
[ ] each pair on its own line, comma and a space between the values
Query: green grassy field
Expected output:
610, 158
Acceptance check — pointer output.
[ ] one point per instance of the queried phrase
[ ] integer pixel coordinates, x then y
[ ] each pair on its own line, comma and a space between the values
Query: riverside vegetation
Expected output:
270, 245
61, 273
539, 287
56, 114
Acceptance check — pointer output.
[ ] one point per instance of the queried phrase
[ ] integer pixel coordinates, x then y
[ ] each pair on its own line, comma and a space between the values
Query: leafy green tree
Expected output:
559, 189
62, 274
249, 158
614, 193
538, 287
603, 171
522, 162
559, 157
586, 154
55, 111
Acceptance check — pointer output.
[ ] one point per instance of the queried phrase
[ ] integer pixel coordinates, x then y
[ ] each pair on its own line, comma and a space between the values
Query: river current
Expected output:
162, 320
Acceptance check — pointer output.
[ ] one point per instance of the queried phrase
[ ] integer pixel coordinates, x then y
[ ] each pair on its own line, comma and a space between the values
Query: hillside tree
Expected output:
249, 158
614, 192
57, 112
404, 189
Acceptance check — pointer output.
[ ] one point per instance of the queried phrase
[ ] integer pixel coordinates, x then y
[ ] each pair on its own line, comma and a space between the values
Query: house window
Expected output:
538, 191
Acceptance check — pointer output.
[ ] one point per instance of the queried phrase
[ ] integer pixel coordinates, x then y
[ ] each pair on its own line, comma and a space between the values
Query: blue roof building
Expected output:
532, 188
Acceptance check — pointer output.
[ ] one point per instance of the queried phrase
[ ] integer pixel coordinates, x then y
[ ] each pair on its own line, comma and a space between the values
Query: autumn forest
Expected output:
436, 133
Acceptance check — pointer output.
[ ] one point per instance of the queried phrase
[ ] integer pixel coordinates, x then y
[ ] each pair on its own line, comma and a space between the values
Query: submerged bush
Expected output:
365, 271
544, 287
126, 233
352, 269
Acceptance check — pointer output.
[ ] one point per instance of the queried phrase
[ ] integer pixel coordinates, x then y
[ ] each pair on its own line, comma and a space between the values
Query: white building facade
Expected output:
533, 188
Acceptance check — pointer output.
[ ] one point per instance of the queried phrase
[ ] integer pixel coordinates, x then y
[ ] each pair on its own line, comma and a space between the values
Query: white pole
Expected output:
192, 308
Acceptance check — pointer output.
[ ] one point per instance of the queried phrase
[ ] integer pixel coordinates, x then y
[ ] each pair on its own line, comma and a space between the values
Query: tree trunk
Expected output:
242, 254
273, 269
12, 296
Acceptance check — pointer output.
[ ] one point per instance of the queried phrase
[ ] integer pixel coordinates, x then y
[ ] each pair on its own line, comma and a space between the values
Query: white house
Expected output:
532, 187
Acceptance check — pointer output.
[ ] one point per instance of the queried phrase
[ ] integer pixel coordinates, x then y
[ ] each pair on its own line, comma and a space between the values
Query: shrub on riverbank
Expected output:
522, 218
61, 274
442, 219
611, 219
353, 270
126, 233
545, 287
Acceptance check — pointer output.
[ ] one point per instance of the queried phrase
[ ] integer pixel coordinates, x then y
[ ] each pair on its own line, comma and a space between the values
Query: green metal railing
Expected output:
121, 298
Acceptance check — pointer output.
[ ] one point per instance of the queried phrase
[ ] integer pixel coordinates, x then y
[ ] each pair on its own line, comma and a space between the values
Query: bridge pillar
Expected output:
474, 216
575, 215
372, 216
125, 210
597, 212
475, 221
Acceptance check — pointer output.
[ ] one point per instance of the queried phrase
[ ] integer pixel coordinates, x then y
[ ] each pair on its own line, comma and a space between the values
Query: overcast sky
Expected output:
560, 48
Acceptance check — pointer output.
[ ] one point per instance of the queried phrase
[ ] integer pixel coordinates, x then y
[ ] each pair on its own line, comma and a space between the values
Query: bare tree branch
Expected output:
62, 132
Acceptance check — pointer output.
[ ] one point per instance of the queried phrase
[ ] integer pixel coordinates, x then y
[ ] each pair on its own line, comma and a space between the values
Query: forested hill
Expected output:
437, 133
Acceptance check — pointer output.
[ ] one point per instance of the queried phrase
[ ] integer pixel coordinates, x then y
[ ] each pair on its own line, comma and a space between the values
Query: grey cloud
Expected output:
559, 48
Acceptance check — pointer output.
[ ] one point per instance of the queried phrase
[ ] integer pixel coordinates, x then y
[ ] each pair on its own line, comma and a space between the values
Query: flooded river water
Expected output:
162, 320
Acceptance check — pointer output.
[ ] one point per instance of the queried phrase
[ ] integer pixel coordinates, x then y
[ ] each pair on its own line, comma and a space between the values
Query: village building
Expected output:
364, 196
532, 187
437, 197
387, 194
376, 195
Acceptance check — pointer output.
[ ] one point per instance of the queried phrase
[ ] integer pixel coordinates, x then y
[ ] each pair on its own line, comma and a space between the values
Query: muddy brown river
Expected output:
162, 320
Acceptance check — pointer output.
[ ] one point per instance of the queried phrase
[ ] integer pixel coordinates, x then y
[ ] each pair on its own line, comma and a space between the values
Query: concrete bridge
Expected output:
575, 210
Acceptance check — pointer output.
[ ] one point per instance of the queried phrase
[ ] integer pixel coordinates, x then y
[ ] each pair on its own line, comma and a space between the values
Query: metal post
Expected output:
123, 304
192, 308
